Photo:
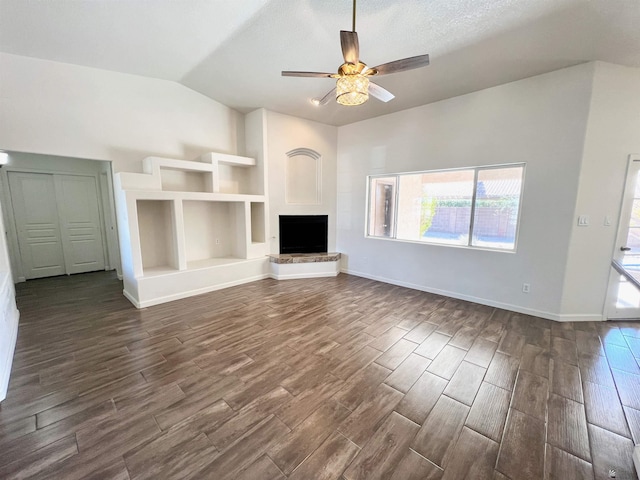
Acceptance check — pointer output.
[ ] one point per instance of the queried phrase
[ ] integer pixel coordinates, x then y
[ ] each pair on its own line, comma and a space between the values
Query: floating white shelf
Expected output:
225, 159
196, 196
152, 165
187, 227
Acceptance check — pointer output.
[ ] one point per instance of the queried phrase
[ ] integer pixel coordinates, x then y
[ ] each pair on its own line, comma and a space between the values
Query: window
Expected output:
474, 207
382, 206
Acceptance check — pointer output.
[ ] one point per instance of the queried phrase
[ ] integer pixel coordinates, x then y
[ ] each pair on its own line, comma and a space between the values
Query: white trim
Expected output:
579, 317
452, 169
435, 244
131, 298
483, 301
8, 362
13, 248
190, 293
297, 276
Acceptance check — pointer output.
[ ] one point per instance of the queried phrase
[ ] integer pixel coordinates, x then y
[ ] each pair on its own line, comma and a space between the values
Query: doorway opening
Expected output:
59, 215
623, 296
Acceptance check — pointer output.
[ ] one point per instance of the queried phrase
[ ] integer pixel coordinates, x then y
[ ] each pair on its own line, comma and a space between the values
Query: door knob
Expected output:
625, 249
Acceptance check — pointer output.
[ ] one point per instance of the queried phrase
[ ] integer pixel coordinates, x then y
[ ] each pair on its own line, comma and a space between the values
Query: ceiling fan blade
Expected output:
307, 74
331, 94
380, 93
403, 65
350, 46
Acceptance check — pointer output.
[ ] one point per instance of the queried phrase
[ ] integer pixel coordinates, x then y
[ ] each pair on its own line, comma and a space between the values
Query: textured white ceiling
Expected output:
233, 50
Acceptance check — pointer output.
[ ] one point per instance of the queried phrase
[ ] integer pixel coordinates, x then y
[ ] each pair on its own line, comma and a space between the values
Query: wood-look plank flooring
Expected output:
336, 379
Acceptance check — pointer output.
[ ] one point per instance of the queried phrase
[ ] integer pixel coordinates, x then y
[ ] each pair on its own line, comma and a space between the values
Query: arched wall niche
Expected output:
303, 183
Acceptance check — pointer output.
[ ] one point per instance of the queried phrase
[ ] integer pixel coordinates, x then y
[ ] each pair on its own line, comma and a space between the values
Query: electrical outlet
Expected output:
526, 288
217, 241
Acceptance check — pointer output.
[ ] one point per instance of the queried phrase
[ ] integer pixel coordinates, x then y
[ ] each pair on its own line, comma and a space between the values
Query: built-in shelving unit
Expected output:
188, 227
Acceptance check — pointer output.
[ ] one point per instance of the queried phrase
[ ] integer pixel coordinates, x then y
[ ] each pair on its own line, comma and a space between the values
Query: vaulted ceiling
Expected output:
234, 50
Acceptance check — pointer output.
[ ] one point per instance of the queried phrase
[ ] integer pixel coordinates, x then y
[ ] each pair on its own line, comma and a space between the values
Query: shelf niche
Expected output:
212, 229
157, 224
234, 179
179, 181
257, 223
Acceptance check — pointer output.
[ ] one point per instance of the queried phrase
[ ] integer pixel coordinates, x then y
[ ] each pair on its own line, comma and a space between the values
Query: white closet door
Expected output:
34, 202
80, 223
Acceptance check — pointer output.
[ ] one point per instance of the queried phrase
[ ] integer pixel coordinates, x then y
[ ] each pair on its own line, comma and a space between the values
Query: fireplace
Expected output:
303, 233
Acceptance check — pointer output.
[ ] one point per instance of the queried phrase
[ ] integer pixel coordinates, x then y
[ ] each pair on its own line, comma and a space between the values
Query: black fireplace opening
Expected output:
303, 233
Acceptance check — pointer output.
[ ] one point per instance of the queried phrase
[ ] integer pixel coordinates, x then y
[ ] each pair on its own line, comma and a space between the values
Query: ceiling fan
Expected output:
353, 86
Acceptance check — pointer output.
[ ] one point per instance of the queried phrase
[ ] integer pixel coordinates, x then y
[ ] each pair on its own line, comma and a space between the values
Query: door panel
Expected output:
34, 203
624, 296
80, 223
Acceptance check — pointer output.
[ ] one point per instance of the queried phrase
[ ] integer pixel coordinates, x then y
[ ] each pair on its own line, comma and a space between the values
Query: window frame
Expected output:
469, 244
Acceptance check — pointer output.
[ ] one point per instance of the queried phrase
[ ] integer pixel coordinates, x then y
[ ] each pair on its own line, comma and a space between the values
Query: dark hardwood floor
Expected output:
341, 378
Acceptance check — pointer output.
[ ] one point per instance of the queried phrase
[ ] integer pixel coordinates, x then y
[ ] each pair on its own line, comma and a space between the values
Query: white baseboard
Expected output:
190, 293
483, 301
579, 317
131, 298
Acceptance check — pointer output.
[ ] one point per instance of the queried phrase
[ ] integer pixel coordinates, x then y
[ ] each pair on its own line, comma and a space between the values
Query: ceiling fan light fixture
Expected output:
353, 86
352, 90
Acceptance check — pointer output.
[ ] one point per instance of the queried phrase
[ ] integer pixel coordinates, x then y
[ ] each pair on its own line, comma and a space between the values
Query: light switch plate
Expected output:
583, 221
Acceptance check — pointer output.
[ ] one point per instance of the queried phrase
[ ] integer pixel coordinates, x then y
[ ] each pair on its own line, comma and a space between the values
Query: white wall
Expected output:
613, 133
286, 133
9, 316
540, 121
67, 110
